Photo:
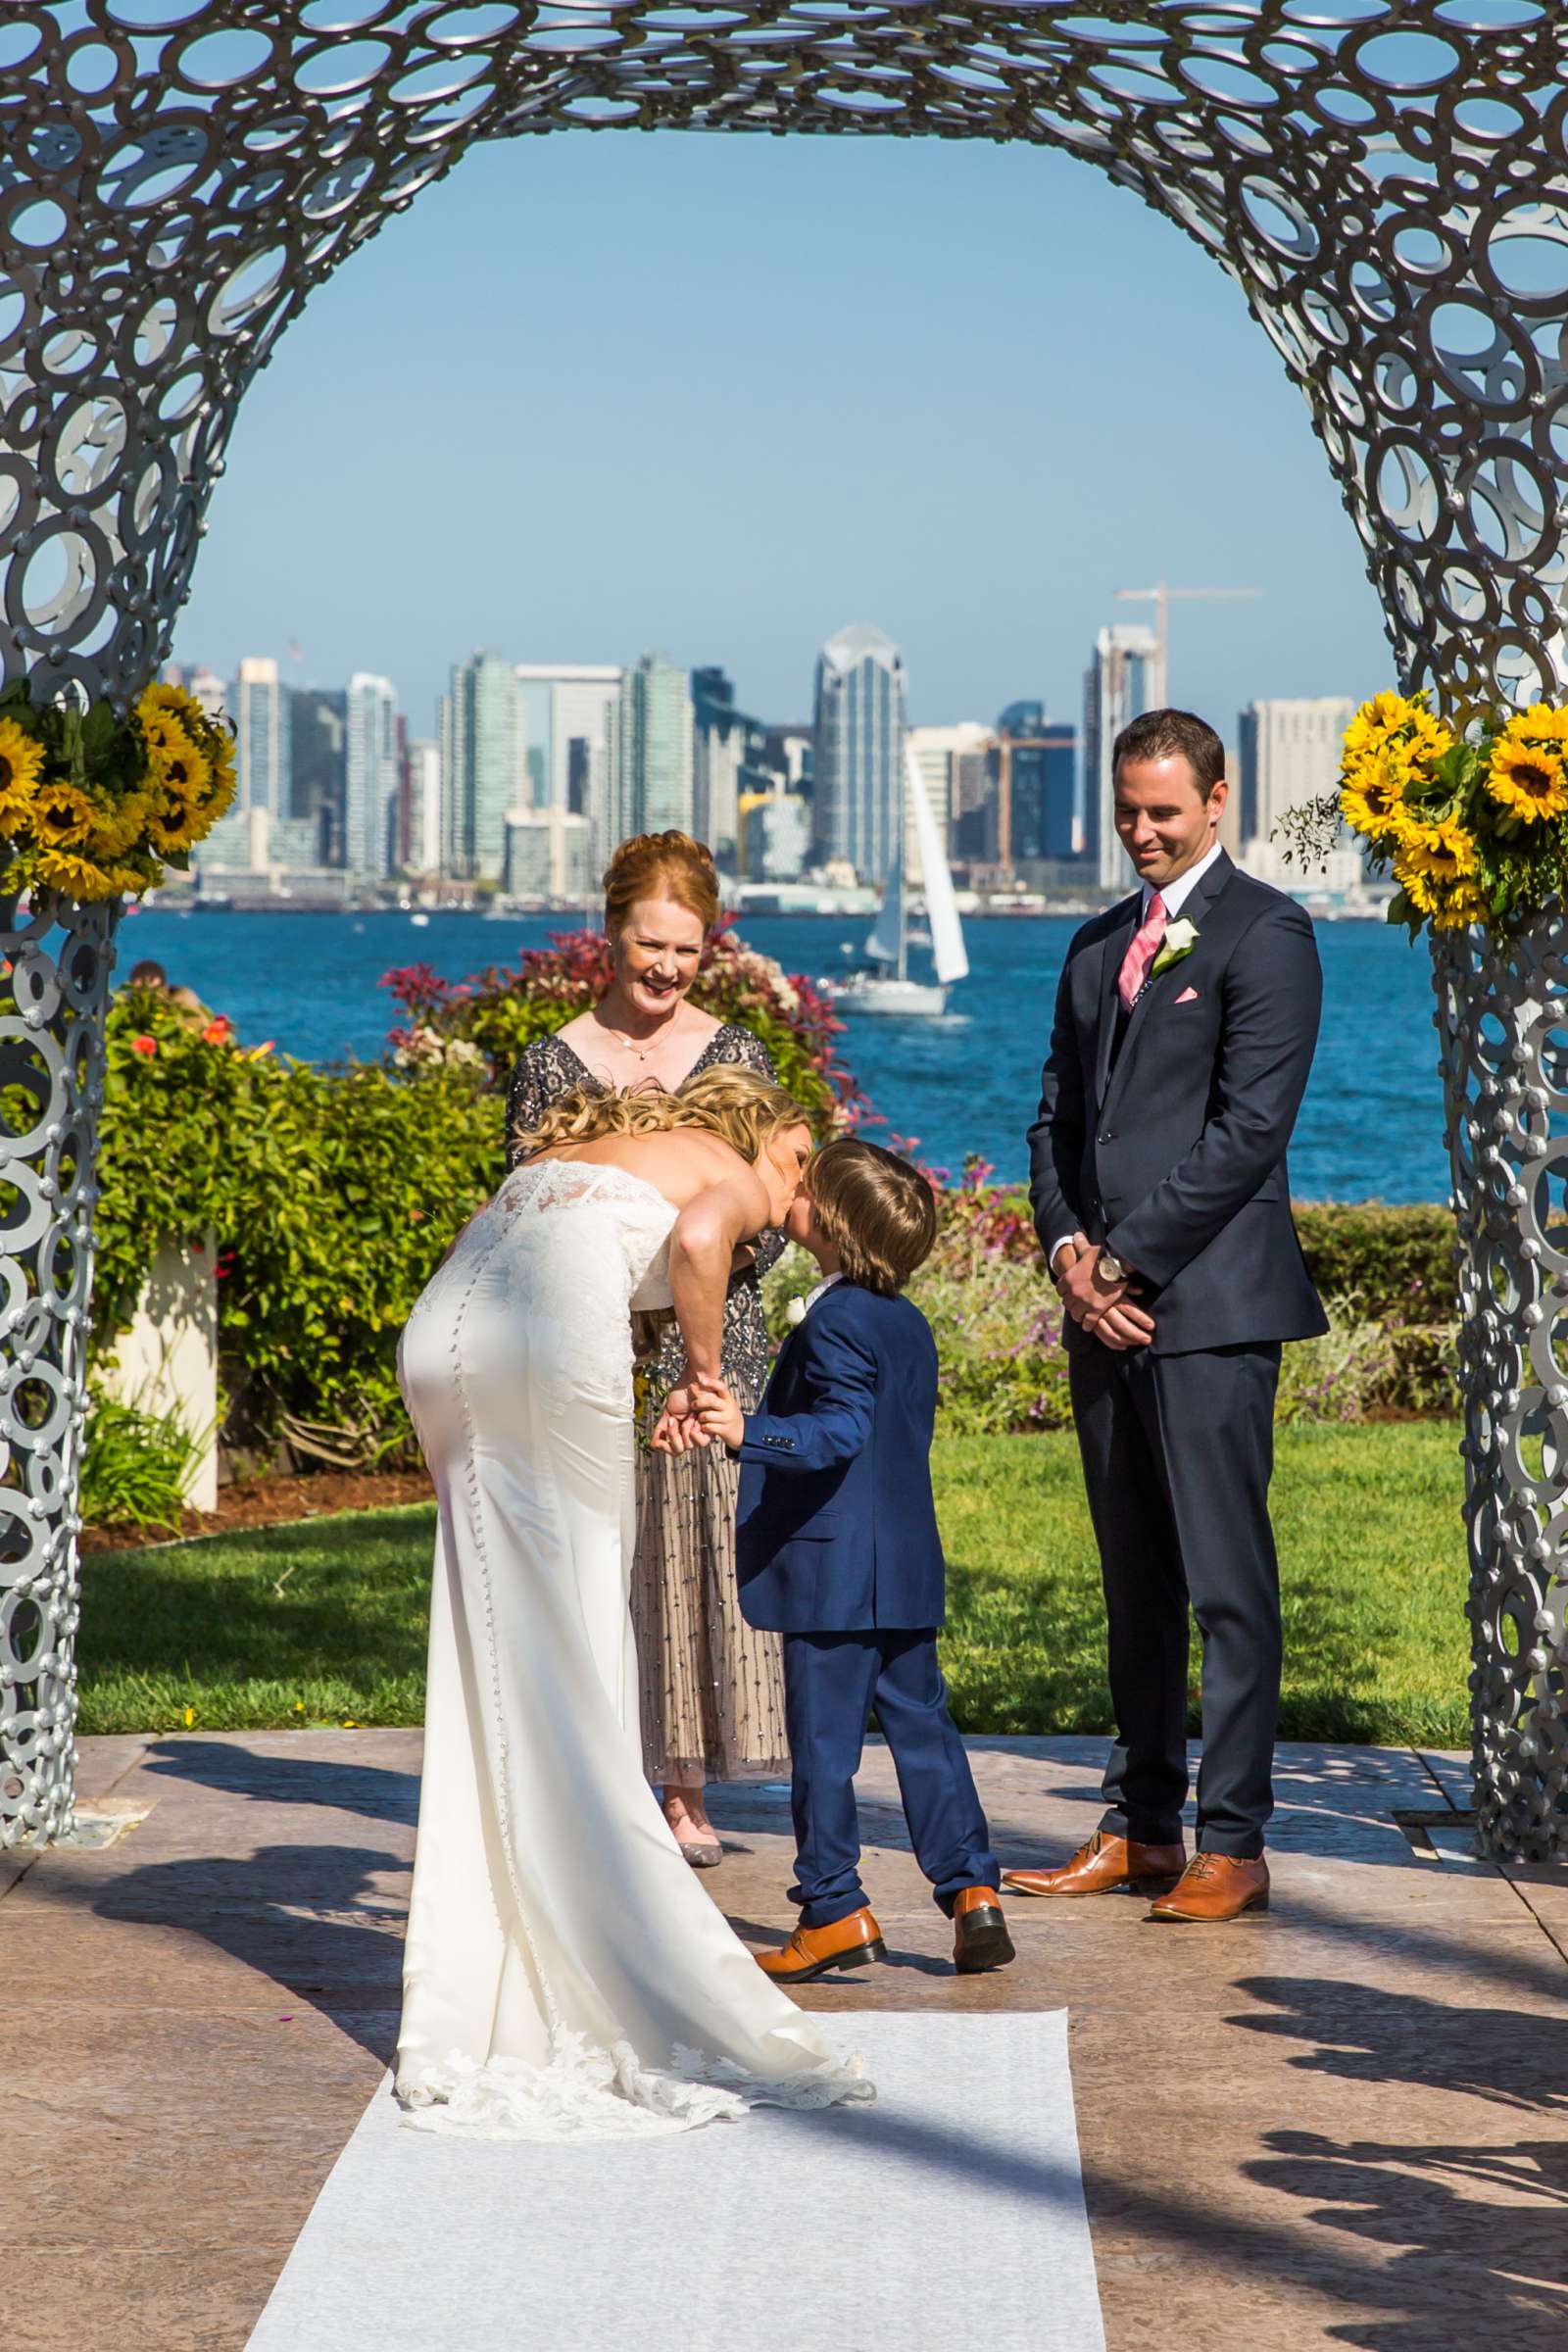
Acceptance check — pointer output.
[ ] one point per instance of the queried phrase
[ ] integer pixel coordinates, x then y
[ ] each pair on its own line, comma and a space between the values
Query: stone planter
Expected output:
167, 1362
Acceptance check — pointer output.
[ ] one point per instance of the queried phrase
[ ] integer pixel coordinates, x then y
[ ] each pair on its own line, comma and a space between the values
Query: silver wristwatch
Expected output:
1111, 1268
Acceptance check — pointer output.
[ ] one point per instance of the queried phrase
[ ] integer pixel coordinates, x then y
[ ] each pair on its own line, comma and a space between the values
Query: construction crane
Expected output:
1161, 597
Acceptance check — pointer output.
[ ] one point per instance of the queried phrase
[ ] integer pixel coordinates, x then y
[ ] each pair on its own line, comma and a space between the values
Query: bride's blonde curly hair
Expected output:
740, 1108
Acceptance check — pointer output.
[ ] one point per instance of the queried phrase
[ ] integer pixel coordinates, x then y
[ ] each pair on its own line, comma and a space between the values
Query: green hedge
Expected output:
1400, 1261
332, 1196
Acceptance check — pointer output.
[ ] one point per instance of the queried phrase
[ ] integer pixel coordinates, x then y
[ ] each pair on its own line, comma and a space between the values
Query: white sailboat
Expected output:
893, 992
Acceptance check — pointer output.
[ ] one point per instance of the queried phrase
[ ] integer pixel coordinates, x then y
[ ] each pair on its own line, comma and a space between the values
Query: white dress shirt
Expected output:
1173, 897
806, 1303
1176, 894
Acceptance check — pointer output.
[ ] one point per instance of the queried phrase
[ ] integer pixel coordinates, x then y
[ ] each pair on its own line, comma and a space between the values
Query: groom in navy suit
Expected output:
1184, 1026
837, 1549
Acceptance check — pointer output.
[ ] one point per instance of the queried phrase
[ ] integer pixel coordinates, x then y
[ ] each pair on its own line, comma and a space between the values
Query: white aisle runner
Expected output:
950, 2212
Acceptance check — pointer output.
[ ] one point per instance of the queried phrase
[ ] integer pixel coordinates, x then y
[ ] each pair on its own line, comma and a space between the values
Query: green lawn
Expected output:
324, 1622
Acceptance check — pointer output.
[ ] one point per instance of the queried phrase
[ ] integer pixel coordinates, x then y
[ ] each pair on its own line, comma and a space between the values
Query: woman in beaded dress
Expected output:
711, 1685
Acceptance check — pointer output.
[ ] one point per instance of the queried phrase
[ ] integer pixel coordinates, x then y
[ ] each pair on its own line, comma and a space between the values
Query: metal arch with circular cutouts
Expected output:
1384, 180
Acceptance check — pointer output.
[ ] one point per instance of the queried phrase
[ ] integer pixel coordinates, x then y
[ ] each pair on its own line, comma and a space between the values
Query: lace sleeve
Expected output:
736, 1042
534, 1085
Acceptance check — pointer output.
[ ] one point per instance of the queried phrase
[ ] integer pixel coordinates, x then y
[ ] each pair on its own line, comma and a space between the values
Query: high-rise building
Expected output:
650, 752
565, 729
547, 854
1038, 786
729, 762
1125, 679
775, 836
857, 763
257, 846
425, 806
370, 780
952, 770
482, 769
259, 707
318, 734
1290, 752
787, 752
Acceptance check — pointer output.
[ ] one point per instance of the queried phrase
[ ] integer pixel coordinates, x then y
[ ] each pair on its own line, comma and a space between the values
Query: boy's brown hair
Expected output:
877, 1211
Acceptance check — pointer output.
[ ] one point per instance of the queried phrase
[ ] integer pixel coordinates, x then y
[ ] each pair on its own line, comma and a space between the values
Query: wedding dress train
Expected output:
566, 1974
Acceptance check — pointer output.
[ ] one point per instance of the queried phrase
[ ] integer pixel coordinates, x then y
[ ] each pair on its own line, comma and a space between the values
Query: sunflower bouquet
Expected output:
1474, 827
93, 806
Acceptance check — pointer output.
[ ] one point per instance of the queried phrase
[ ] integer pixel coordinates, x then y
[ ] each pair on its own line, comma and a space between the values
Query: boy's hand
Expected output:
717, 1413
677, 1430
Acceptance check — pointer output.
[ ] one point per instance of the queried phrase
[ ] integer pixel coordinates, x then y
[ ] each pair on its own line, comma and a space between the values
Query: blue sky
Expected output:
716, 396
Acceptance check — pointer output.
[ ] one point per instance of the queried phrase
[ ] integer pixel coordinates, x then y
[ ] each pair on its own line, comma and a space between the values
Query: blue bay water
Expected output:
1371, 1127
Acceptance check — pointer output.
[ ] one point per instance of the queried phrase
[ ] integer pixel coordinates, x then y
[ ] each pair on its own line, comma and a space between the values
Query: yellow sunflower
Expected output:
63, 817
1397, 718
1372, 796
170, 823
159, 705
1418, 887
1460, 908
72, 875
1529, 772
161, 732
220, 789
179, 770
1445, 852
21, 767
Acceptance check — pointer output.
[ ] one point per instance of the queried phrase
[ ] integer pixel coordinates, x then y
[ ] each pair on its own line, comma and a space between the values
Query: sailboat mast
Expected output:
902, 870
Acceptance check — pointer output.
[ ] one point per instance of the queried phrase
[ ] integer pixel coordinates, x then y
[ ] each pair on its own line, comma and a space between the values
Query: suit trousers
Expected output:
830, 1684
1178, 1451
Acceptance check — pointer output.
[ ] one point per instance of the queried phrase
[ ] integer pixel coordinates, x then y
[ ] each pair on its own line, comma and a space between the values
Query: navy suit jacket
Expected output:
1173, 1155
836, 1530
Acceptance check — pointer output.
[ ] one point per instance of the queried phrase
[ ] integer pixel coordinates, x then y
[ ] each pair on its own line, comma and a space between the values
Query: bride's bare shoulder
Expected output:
684, 1162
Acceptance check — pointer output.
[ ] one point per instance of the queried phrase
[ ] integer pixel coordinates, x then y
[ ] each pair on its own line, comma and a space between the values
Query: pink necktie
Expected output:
1141, 954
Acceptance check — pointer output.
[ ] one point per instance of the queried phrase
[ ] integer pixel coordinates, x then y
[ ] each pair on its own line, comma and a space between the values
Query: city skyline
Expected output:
535, 771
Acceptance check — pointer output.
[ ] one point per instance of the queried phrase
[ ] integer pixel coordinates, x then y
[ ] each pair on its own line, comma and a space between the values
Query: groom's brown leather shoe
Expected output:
1102, 1866
980, 1938
812, 1951
1215, 1887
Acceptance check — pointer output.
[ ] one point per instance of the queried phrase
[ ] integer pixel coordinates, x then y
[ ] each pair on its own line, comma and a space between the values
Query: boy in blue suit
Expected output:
837, 1549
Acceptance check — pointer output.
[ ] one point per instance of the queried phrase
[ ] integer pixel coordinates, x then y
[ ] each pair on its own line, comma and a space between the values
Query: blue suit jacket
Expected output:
836, 1531
1172, 1151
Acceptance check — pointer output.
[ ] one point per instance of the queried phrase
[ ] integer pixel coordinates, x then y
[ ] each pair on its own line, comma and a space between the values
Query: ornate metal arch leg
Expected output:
57, 966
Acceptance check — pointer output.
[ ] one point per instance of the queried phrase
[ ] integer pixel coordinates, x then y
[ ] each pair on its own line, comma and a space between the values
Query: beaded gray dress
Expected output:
712, 1688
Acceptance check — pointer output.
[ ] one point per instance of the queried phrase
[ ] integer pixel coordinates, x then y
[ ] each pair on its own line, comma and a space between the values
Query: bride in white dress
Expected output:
566, 1974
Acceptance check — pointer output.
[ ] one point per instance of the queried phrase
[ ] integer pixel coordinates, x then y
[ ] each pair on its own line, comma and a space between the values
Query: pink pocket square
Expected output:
1189, 996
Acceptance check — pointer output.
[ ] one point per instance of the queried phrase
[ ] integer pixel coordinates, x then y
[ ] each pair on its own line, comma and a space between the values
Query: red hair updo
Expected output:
661, 865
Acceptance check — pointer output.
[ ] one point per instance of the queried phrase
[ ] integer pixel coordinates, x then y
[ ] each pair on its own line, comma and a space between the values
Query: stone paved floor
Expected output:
1340, 2124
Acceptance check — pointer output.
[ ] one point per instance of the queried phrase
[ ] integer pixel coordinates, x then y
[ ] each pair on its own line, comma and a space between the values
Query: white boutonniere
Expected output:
1179, 941
795, 1312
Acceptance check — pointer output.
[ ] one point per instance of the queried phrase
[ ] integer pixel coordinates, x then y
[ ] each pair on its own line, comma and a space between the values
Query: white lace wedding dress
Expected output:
566, 1974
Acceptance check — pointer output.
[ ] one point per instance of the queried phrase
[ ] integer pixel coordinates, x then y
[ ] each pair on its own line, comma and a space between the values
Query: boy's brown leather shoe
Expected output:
980, 1938
1102, 1866
1215, 1887
812, 1951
